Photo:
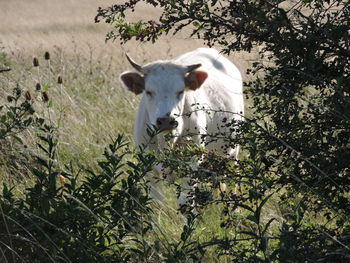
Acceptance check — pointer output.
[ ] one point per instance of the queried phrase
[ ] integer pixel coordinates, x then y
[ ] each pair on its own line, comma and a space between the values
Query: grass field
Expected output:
90, 107
69, 25
90, 102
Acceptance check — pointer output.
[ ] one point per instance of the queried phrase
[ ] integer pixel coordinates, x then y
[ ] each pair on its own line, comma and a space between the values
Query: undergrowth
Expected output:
75, 191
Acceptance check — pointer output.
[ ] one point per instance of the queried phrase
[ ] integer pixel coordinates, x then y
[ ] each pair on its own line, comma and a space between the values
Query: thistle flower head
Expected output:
45, 96
47, 55
38, 86
35, 62
28, 95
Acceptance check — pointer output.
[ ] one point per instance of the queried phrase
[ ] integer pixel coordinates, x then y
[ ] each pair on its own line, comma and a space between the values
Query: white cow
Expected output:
199, 81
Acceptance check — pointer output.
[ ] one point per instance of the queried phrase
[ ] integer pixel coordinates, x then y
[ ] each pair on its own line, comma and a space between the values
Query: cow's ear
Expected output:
195, 79
133, 81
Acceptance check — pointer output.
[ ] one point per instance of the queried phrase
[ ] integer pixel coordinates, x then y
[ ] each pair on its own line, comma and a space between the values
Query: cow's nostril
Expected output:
173, 123
166, 123
159, 122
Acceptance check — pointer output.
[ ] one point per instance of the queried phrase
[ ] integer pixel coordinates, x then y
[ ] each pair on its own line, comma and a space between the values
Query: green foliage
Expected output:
17, 115
4, 61
296, 142
285, 200
70, 214
101, 219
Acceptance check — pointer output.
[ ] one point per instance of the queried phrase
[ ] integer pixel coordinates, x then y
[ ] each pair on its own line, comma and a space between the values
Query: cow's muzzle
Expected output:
166, 123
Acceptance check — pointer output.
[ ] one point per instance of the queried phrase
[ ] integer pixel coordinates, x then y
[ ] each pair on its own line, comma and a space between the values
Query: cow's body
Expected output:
201, 82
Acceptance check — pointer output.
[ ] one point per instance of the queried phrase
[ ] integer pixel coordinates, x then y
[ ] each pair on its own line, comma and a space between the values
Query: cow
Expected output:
190, 95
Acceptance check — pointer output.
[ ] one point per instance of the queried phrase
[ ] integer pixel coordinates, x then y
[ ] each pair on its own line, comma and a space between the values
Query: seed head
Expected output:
45, 96
9, 98
35, 62
28, 95
38, 86
63, 180
47, 55
59, 80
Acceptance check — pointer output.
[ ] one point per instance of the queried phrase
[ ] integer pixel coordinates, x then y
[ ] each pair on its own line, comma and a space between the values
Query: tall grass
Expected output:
73, 183
89, 105
84, 100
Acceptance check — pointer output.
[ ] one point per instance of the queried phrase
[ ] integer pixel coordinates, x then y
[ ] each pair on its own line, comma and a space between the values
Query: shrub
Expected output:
103, 218
296, 138
63, 213
287, 196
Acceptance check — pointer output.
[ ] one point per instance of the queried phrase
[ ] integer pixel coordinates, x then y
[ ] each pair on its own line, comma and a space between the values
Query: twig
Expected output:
4, 70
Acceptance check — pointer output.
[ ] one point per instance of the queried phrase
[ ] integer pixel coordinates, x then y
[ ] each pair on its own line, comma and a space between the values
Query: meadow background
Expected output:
72, 191
91, 102
89, 107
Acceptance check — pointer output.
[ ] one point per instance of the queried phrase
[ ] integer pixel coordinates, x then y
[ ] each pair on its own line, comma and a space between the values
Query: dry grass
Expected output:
31, 27
91, 103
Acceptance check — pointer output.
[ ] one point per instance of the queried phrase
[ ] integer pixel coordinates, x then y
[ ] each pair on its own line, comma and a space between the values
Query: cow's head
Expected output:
164, 86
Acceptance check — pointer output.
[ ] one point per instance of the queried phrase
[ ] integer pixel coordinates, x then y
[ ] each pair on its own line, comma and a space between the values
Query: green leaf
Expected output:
196, 24
258, 210
45, 88
45, 205
42, 162
52, 182
253, 219
10, 115
249, 233
263, 243
17, 139
40, 174
246, 207
43, 138
49, 104
3, 118
267, 226
42, 148
6, 192
2, 133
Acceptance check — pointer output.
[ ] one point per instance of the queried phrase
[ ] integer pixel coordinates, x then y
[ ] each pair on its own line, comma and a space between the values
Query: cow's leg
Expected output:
156, 189
186, 200
155, 184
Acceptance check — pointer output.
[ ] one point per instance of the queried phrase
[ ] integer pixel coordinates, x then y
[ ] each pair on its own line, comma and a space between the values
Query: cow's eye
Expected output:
180, 93
149, 93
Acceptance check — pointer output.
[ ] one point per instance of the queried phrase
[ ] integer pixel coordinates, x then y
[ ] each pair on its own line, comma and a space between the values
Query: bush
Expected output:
65, 213
72, 214
296, 138
103, 218
287, 196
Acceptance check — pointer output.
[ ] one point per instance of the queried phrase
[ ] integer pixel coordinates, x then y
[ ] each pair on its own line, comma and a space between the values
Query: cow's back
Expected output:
223, 87
212, 62
221, 94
